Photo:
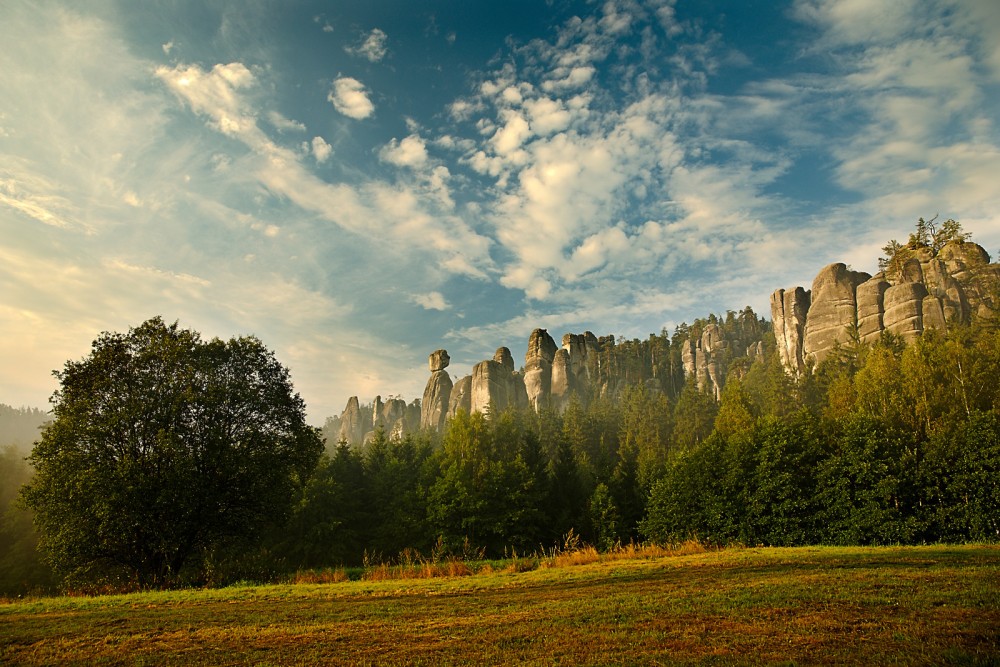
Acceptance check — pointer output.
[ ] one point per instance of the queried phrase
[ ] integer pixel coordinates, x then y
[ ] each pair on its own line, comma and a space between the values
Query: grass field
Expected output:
918, 606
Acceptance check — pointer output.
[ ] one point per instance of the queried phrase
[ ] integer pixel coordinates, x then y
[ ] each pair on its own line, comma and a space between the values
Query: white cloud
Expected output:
431, 301
547, 115
283, 124
373, 46
512, 134
168, 47
216, 93
350, 98
410, 152
859, 21
321, 150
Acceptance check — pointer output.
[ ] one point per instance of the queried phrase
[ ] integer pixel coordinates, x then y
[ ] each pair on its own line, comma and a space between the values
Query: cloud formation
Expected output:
350, 98
373, 46
321, 150
410, 152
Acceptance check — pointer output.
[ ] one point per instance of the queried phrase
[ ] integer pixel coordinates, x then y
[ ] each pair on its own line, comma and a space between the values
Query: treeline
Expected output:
518, 480
882, 444
21, 566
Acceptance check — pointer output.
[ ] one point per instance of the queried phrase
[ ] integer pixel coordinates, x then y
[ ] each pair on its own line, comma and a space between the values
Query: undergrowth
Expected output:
411, 564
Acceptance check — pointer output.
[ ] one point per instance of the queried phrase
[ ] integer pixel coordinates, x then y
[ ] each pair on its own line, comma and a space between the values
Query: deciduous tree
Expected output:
164, 447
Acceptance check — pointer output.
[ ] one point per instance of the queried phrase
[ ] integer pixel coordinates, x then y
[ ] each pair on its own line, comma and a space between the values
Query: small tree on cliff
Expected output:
163, 446
926, 235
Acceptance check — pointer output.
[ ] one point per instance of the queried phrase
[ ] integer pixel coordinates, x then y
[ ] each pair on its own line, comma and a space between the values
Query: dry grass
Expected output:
585, 554
451, 567
321, 576
684, 605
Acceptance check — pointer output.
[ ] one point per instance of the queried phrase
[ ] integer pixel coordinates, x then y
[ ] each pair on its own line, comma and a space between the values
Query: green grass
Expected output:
908, 605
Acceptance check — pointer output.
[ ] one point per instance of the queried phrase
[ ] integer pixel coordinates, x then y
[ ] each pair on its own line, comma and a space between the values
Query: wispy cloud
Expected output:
431, 301
373, 46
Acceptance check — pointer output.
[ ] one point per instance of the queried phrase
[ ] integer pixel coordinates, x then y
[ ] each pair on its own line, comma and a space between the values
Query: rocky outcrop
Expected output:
352, 423
493, 383
904, 310
969, 264
461, 397
392, 417
833, 310
788, 313
562, 380
437, 393
704, 360
871, 308
576, 346
538, 369
926, 291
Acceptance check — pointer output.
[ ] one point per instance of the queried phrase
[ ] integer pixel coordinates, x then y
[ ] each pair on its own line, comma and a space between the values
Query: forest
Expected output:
881, 443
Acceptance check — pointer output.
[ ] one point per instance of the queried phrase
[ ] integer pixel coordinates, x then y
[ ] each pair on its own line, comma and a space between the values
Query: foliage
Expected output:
164, 447
899, 445
928, 237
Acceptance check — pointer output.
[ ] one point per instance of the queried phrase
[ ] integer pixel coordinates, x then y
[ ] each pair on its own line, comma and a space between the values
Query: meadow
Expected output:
933, 605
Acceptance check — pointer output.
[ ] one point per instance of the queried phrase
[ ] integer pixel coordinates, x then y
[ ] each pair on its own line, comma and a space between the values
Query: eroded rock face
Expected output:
437, 393
461, 397
562, 380
904, 310
788, 313
871, 308
391, 412
926, 292
833, 310
502, 357
702, 359
969, 264
352, 426
538, 369
438, 360
576, 345
492, 386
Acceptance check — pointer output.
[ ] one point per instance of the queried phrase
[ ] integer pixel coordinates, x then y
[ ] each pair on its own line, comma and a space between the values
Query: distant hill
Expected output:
20, 426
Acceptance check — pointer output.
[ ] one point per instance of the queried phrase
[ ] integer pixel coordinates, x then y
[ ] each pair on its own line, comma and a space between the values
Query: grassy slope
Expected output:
925, 605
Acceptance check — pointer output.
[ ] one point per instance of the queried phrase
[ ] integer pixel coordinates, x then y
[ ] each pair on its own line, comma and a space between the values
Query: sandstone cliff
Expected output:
437, 393
926, 291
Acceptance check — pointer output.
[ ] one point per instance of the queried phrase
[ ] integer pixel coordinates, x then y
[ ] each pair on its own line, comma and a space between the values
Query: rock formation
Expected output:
352, 425
871, 308
538, 368
788, 313
437, 393
833, 310
703, 359
562, 380
461, 397
927, 291
493, 383
391, 416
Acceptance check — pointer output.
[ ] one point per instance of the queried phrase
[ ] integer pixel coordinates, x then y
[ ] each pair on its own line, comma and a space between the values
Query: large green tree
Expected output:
164, 447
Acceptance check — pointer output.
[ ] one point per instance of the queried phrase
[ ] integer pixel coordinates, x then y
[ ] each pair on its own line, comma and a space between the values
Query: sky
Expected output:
360, 183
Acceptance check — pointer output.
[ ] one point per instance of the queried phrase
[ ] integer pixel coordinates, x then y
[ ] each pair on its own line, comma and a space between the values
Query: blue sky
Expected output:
359, 184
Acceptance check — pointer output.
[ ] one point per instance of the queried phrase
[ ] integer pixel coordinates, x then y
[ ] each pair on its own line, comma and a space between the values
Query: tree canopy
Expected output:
164, 447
